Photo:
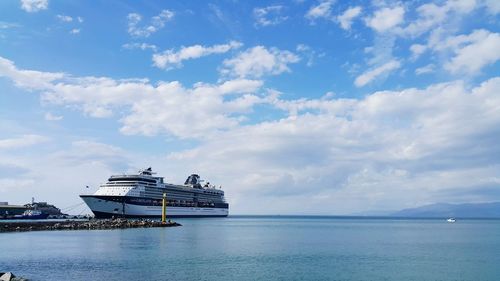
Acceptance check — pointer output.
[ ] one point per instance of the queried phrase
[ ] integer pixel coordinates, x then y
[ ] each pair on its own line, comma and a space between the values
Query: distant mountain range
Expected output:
445, 210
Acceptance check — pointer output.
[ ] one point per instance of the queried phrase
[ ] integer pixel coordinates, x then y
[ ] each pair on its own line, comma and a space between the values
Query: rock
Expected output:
7, 276
117, 223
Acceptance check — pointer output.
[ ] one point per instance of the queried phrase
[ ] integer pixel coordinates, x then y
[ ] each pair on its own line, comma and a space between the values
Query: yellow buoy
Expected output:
164, 209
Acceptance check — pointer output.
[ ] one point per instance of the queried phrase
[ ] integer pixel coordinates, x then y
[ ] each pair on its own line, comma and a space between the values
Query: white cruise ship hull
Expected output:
103, 207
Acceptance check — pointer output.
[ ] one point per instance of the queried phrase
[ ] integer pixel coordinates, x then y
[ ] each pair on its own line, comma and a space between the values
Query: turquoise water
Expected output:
263, 248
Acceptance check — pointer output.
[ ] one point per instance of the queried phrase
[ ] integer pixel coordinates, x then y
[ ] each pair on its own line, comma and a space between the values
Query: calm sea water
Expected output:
263, 248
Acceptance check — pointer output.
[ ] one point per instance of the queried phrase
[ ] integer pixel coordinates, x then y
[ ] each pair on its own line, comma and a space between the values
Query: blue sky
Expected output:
294, 107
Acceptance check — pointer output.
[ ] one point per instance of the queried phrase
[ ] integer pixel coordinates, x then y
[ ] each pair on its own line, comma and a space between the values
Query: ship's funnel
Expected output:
193, 180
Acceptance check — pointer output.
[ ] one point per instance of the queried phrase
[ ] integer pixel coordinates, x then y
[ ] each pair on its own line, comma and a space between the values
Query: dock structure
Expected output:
119, 223
11, 210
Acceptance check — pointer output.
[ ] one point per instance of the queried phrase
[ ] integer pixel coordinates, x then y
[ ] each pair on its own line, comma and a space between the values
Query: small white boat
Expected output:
451, 220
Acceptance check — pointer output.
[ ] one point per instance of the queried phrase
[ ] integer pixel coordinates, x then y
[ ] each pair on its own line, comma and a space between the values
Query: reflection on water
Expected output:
262, 248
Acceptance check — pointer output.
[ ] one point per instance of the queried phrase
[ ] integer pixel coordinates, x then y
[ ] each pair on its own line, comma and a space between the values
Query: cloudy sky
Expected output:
294, 107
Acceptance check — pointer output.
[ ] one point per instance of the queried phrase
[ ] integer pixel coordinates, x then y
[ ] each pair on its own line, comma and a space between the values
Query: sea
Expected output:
263, 248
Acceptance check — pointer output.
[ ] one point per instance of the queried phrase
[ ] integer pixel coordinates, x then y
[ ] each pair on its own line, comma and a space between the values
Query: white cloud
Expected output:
68, 19
431, 15
164, 108
50, 117
492, 6
437, 21
259, 61
465, 53
218, 13
386, 19
200, 112
307, 52
142, 46
372, 74
13, 185
64, 18
462, 6
425, 69
302, 48
7, 25
23, 141
473, 52
270, 15
157, 23
458, 54
322, 10
27, 79
90, 151
72, 166
346, 18
417, 50
32, 6
170, 58
387, 150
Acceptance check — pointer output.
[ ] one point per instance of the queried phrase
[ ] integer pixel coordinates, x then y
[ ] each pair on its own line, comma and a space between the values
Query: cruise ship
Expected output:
141, 195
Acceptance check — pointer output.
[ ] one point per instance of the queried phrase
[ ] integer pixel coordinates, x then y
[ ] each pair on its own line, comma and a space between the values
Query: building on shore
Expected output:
11, 210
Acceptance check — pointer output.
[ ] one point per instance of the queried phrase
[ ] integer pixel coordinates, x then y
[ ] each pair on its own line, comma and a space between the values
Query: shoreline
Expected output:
93, 224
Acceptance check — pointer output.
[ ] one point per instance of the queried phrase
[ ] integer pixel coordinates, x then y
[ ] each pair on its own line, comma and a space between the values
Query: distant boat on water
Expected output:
451, 220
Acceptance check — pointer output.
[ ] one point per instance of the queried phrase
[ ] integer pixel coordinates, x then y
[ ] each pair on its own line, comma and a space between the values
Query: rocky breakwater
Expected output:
83, 225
